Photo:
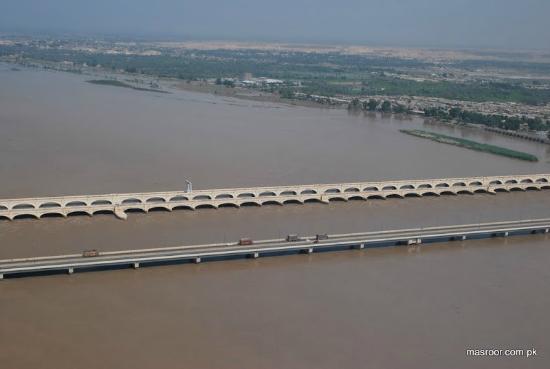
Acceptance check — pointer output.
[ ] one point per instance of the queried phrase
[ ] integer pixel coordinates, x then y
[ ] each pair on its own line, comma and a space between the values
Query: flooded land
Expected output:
383, 308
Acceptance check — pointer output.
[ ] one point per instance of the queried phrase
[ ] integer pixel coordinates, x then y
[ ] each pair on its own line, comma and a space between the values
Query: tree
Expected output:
386, 106
372, 105
354, 104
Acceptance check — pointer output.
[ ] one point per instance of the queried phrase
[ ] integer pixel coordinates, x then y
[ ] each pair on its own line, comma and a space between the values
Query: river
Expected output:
395, 307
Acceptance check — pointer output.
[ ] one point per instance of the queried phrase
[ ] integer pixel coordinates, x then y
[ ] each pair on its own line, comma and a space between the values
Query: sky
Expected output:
510, 24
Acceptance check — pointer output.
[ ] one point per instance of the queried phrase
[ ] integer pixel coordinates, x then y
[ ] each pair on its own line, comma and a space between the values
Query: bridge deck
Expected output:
197, 253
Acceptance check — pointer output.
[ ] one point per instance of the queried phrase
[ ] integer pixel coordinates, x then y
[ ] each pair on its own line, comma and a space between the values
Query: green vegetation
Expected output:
473, 145
116, 83
490, 120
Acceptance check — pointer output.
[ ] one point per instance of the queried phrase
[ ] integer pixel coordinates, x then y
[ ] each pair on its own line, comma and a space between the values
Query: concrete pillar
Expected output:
197, 260
70, 270
463, 238
309, 251
546, 230
1, 276
361, 246
255, 255
120, 214
135, 265
505, 234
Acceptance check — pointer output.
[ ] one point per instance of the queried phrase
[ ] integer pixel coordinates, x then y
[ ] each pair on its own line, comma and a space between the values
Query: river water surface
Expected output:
391, 308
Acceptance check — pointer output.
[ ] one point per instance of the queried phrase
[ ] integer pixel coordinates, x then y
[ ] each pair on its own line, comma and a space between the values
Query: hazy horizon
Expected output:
420, 23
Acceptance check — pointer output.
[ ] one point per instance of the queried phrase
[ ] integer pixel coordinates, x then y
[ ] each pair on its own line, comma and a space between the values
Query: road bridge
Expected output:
200, 253
122, 203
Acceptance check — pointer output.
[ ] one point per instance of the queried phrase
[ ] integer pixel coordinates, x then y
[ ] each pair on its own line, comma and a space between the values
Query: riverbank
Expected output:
469, 144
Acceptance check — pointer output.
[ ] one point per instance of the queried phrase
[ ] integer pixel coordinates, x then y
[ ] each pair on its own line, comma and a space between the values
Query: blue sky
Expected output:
438, 23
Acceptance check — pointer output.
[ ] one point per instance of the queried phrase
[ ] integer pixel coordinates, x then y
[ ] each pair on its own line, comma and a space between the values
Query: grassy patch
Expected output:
472, 145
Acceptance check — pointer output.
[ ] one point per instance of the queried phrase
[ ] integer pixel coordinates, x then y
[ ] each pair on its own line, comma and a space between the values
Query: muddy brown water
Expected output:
386, 308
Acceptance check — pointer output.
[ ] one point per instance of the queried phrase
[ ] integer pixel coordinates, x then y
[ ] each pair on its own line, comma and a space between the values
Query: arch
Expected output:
205, 206
495, 182
542, 180
308, 192
50, 205
288, 202
224, 196
2, 207
389, 188
425, 185
376, 197
159, 209
448, 193
407, 187
516, 189
545, 187
271, 202
155, 200
526, 180
269, 193
228, 205
532, 188
25, 216
394, 196
371, 189
102, 202
332, 190
23, 206
337, 198
501, 190
476, 183
313, 201
76, 204
202, 197
442, 185
135, 210
78, 213
511, 181
288, 193
356, 198
131, 201
430, 194
481, 190
352, 189
250, 203
182, 207
412, 194
246, 195
179, 198
103, 212
459, 184
4, 217
465, 192
52, 215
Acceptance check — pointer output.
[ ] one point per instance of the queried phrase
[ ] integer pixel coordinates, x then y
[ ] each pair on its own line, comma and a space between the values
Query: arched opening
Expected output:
459, 184
352, 189
205, 206
224, 196
159, 209
50, 205
430, 194
76, 204
131, 201
3, 217
292, 202
425, 185
407, 187
332, 190
542, 180
532, 188
511, 181
336, 199
135, 210
2, 207
179, 198
501, 190
356, 198
249, 203
155, 200
545, 188
442, 185
101, 202
228, 205
516, 189
371, 189
464, 192
480, 191
288, 193
412, 194
313, 201
25, 216
447, 193
103, 212
496, 182
527, 180
269, 193
245, 195
271, 203
182, 207
78, 214
308, 192
52, 215
394, 196
202, 197
476, 183
376, 197
389, 188
23, 206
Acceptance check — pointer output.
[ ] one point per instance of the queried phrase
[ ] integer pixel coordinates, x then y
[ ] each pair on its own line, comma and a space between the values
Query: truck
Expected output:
90, 253
320, 237
245, 241
292, 238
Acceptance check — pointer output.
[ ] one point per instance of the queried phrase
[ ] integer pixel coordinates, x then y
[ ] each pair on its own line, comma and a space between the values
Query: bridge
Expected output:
88, 261
122, 203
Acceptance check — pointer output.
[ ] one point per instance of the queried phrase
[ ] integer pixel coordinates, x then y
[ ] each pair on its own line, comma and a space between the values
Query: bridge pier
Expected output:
1, 276
361, 246
70, 270
546, 230
120, 214
135, 265
255, 255
197, 260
